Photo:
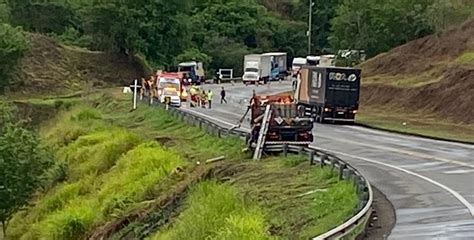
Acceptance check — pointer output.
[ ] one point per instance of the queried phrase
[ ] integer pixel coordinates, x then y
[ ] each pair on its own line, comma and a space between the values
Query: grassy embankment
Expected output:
425, 123
112, 162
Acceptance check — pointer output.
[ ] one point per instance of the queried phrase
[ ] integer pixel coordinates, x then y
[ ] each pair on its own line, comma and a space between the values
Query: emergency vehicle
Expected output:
172, 80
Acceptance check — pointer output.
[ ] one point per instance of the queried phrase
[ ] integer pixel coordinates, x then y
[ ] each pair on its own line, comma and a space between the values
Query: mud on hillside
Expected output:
51, 68
448, 87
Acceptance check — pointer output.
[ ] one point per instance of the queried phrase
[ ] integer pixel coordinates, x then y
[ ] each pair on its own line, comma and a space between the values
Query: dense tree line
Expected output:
219, 32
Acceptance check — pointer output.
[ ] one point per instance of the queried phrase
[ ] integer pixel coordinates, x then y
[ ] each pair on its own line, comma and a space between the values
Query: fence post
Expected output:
285, 149
341, 170
311, 157
323, 160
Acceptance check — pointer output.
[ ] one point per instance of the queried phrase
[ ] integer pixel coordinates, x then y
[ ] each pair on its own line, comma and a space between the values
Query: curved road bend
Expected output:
430, 183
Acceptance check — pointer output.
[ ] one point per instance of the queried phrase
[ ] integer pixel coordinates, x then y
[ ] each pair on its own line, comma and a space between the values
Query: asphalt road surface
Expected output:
430, 183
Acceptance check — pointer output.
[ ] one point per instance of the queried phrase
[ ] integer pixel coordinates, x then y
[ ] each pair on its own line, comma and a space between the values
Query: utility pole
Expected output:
310, 23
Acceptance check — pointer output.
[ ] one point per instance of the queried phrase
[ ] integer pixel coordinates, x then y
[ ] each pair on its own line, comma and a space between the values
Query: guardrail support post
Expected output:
218, 133
341, 171
285, 149
311, 157
323, 160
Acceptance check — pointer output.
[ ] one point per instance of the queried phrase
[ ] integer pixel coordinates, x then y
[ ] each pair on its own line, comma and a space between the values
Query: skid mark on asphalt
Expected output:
455, 194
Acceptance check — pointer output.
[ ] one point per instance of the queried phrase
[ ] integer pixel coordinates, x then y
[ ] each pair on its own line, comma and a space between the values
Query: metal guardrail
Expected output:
316, 157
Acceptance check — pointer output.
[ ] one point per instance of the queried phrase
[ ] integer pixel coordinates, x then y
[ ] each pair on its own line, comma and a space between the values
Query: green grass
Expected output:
116, 160
217, 211
403, 81
297, 209
465, 58
415, 123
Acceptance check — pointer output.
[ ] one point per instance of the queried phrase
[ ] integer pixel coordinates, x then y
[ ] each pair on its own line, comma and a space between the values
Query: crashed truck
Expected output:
276, 120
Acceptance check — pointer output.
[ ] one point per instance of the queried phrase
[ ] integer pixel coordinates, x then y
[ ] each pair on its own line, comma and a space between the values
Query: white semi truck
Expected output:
257, 68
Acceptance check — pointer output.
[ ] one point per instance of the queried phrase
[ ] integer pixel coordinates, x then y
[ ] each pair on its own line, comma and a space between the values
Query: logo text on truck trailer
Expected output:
333, 76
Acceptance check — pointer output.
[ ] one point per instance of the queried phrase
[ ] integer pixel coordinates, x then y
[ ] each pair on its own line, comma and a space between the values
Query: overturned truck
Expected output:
275, 119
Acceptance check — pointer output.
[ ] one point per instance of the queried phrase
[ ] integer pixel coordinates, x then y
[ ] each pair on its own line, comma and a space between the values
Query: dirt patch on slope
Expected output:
451, 96
423, 54
51, 68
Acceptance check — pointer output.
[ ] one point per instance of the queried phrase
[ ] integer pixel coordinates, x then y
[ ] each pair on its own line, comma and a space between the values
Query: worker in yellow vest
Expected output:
210, 95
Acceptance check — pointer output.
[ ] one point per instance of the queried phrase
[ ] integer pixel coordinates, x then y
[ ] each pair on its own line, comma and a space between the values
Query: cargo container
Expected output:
329, 93
257, 68
278, 65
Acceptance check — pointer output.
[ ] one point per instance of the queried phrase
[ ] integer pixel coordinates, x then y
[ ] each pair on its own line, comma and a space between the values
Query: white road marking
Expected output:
451, 191
459, 171
410, 153
464, 145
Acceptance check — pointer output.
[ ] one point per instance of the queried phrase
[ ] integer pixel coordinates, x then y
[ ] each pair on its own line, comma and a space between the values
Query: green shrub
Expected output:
86, 115
71, 223
72, 36
13, 44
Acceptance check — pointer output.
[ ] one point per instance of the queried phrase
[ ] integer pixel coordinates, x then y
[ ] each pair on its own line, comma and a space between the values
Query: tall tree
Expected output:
376, 26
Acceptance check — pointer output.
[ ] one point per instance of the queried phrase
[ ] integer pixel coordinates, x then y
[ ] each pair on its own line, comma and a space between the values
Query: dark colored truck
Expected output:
329, 93
286, 124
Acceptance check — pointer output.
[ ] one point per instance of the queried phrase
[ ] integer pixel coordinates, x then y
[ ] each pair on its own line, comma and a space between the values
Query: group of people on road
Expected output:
205, 99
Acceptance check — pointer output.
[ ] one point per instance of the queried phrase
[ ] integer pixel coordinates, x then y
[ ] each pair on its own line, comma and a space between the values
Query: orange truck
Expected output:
286, 124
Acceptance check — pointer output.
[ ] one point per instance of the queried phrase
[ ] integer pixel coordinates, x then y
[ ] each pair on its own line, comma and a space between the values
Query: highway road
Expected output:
430, 183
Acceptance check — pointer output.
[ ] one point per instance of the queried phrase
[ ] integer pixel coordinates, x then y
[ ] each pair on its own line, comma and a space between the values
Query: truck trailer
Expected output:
278, 65
328, 93
257, 68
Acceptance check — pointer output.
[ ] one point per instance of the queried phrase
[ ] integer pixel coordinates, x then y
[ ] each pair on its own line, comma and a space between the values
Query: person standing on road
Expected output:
203, 99
210, 95
223, 96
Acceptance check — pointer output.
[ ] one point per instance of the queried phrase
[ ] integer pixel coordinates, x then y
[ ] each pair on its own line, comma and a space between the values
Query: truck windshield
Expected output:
186, 68
169, 83
254, 70
170, 93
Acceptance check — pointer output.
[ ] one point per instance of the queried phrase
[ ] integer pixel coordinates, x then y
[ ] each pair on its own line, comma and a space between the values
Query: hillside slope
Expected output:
433, 76
51, 68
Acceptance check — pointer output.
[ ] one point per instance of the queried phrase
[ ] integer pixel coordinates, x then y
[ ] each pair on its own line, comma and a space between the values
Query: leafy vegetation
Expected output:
111, 163
13, 44
220, 32
23, 163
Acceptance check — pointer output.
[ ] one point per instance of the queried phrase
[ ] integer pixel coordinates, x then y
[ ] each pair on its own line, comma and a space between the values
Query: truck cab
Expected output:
172, 80
194, 70
170, 96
